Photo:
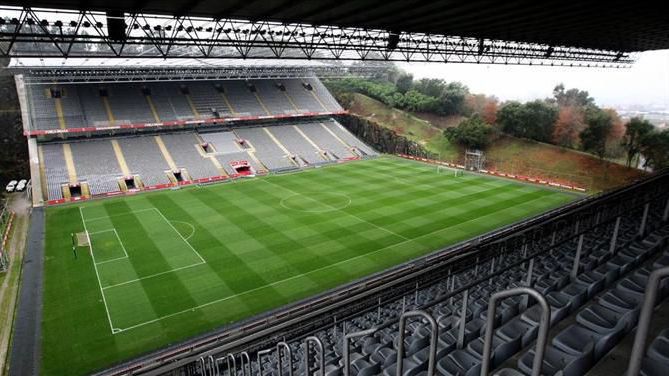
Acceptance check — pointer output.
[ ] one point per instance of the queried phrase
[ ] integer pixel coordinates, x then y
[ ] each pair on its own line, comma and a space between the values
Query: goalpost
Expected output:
80, 239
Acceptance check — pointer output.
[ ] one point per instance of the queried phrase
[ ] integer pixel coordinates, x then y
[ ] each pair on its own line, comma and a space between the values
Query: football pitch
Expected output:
165, 266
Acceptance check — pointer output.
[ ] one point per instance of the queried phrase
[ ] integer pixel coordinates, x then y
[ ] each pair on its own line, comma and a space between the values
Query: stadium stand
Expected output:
266, 149
101, 172
128, 105
170, 104
222, 142
275, 148
54, 169
322, 94
183, 148
145, 159
84, 105
335, 147
298, 145
303, 99
339, 131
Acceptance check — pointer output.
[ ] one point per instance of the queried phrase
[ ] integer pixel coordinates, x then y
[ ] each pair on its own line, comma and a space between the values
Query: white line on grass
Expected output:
117, 215
303, 274
153, 275
181, 236
119, 242
336, 209
104, 300
186, 223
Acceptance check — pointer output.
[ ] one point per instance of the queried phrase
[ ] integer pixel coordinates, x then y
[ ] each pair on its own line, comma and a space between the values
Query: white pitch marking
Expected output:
104, 299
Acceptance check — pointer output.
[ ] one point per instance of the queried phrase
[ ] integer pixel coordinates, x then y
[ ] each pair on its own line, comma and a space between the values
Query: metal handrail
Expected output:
433, 340
234, 364
260, 354
245, 355
347, 357
649, 299
321, 350
290, 357
542, 338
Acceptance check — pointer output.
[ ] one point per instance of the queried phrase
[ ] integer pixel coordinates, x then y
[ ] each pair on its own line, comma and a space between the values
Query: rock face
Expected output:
380, 138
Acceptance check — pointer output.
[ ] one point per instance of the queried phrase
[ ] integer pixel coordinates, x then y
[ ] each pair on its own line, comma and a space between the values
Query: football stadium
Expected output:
203, 200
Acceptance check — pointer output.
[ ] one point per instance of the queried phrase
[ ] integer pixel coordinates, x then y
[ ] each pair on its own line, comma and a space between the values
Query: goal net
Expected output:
80, 239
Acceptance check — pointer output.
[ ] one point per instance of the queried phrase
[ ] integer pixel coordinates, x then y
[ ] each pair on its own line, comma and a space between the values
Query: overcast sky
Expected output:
646, 83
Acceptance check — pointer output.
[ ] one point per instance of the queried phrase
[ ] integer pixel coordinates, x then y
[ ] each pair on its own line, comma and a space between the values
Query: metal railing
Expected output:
649, 300
434, 333
542, 337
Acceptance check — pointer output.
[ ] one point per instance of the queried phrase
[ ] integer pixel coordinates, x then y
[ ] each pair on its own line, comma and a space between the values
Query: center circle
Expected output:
316, 202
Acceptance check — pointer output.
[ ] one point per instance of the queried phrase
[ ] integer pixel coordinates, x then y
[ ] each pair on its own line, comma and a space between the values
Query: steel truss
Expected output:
49, 75
28, 32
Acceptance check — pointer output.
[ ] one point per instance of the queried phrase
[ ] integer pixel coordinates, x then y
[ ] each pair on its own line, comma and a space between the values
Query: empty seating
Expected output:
82, 104
183, 149
54, 169
269, 153
96, 164
349, 138
145, 159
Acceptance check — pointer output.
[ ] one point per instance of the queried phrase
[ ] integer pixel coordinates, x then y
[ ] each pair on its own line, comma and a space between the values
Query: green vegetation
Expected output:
169, 265
404, 124
504, 153
470, 133
426, 95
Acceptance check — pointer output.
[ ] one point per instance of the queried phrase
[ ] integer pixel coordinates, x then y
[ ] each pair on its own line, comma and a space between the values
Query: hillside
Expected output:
507, 154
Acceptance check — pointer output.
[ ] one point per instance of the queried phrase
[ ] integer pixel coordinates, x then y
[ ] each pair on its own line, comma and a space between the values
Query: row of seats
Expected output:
273, 148
517, 318
120, 103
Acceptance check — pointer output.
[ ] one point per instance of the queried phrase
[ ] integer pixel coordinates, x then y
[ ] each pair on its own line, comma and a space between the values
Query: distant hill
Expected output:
507, 154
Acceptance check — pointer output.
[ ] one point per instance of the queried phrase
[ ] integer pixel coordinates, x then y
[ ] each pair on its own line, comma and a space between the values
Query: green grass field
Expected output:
165, 266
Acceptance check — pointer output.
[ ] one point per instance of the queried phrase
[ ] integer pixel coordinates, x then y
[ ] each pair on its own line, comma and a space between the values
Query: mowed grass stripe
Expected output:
259, 254
144, 251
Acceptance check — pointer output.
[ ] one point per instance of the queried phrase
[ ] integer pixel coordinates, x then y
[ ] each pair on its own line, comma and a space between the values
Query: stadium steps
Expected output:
212, 159
166, 154
348, 147
60, 113
69, 163
42, 172
280, 145
318, 99
152, 106
260, 102
108, 109
123, 165
322, 152
290, 100
192, 106
227, 103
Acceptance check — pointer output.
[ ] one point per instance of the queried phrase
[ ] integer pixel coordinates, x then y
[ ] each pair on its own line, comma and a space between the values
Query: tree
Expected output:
533, 120
655, 149
636, 129
453, 98
616, 133
568, 126
572, 97
483, 105
540, 119
404, 82
593, 138
471, 133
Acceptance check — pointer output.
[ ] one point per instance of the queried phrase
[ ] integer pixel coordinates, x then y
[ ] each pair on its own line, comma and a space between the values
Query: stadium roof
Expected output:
614, 25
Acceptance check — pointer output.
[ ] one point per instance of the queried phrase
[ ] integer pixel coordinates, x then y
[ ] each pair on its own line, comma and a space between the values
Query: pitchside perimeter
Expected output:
124, 268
